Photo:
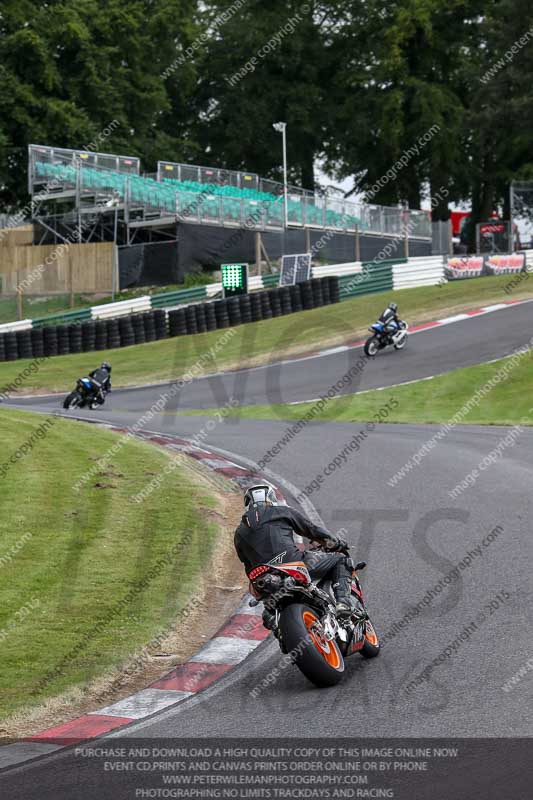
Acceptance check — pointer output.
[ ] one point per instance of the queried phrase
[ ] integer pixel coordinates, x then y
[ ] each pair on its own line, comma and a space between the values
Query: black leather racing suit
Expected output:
101, 379
388, 317
265, 535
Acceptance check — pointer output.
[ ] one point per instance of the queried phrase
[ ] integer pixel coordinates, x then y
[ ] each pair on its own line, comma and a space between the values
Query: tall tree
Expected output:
401, 98
266, 63
70, 68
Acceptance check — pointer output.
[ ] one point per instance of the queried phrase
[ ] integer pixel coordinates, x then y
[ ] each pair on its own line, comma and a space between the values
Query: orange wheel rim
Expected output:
328, 650
370, 634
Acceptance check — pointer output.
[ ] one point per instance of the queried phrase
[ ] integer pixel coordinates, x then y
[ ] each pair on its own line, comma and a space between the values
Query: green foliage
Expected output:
359, 83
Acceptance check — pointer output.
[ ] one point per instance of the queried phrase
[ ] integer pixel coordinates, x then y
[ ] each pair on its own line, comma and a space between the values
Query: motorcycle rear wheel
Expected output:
371, 647
372, 346
320, 661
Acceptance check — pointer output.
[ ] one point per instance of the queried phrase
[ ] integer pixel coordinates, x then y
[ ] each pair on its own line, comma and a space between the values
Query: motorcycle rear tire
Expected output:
321, 662
371, 647
372, 346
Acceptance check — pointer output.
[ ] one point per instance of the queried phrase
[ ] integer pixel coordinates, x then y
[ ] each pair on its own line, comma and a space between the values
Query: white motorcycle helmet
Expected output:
260, 493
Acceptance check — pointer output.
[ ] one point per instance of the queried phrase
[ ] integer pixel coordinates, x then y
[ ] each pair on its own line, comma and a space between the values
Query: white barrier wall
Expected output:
350, 268
421, 271
21, 325
120, 309
424, 271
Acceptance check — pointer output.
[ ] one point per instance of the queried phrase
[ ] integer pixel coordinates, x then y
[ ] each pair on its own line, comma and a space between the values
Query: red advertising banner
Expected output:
464, 267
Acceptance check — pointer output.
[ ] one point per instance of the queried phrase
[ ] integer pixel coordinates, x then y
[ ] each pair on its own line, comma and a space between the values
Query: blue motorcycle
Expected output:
385, 336
87, 393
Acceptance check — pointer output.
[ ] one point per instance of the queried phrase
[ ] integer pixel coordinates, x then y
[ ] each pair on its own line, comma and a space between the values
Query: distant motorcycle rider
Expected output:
265, 536
101, 378
390, 319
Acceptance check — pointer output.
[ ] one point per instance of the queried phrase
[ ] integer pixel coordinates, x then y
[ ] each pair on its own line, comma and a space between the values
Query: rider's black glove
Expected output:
342, 544
335, 543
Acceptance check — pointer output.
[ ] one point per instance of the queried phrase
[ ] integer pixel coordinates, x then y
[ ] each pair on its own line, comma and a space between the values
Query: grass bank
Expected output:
261, 342
506, 398
88, 577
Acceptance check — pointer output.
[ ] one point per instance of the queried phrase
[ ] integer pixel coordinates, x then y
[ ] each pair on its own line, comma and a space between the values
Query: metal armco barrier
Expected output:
371, 279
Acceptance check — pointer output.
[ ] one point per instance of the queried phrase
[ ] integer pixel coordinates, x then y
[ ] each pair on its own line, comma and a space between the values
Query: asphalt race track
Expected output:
428, 352
412, 535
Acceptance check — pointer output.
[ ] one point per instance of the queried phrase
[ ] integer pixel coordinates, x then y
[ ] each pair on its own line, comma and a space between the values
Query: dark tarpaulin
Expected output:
149, 264
163, 263
210, 246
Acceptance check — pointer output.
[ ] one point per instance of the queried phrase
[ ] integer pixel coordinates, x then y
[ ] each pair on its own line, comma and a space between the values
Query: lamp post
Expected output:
281, 127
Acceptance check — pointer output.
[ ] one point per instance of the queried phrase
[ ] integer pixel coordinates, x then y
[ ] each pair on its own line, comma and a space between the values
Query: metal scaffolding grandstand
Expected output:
85, 196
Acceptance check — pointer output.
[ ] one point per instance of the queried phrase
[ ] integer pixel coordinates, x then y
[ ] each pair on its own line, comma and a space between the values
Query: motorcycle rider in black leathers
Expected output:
390, 319
265, 536
101, 378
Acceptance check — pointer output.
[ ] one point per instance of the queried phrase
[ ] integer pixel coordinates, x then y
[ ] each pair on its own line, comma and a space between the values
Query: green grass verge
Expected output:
68, 559
261, 342
437, 400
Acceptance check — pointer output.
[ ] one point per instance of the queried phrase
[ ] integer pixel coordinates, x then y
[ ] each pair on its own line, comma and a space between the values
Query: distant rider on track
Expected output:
390, 319
101, 378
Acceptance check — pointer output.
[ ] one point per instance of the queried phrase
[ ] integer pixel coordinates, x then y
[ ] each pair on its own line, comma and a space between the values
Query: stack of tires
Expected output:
334, 289
88, 335
318, 297
306, 288
177, 324
149, 326
100, 342
113, 333
245, 305
63, 344
37, 342
160, 320
127, 335
11, 347
296, 298
234, 310
74, 338
325, 290
201, 323
274, 297
137, 323
190, 319
221, 314
256, 307
24, 347
210, 317
50, 340
285, 299
265, 305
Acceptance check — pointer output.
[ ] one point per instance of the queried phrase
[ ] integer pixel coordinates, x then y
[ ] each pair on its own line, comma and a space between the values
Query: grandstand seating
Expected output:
214, 196
195, 200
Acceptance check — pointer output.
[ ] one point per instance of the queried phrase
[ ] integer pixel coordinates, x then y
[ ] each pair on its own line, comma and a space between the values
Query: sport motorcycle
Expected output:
302, 615
383, 337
